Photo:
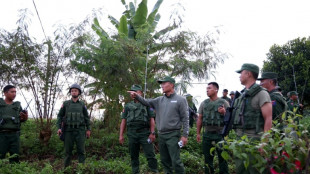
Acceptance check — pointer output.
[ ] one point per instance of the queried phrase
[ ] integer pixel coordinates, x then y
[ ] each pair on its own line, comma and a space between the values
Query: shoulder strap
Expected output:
82, 103
254, 90
66, 105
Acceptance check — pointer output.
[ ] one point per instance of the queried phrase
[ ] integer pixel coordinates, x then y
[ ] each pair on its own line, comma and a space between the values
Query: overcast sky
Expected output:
248, 28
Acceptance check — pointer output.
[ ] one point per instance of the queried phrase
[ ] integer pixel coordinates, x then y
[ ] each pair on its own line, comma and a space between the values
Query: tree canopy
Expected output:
116, 61
40, 68
289, 60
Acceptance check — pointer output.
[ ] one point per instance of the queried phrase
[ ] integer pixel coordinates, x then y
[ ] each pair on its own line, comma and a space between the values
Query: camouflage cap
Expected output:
136, 88
293, 93
249, 67
268, 75
232, 93
166, 79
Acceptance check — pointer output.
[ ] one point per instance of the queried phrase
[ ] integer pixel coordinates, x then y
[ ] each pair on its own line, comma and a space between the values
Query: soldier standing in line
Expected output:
253, 113
171, 115
192, 110
73, 118
211, 117
269, 81
225, 92
140, 131
293, 104
11, 116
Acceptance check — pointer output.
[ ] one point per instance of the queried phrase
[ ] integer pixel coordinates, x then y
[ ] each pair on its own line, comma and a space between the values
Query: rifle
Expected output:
229, 117
63, 124
62, 135
192, 112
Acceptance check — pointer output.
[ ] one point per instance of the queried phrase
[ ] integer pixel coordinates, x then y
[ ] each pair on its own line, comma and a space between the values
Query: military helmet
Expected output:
76, 86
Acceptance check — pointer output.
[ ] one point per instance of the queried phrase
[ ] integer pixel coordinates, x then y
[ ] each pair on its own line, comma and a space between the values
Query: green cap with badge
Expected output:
249, 67
136, 88
166, 79
268, 75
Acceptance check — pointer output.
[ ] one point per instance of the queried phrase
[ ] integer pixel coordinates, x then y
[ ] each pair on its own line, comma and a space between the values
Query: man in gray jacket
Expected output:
171, 114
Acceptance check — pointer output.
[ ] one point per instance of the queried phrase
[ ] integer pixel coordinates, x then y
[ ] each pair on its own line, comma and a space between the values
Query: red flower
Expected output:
273, 171
298, 165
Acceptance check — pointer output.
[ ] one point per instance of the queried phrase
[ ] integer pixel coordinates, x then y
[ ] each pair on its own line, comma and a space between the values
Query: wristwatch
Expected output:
153, 133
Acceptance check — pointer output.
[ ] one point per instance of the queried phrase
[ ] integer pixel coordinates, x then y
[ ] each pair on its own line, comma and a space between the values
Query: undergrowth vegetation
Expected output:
280, 151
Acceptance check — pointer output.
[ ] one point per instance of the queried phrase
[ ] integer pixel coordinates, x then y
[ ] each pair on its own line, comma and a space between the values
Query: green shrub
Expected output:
284, 148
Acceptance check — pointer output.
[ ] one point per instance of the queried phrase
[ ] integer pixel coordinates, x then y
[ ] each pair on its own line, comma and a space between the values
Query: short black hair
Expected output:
7, 88
225, 90
214, 84
255, 75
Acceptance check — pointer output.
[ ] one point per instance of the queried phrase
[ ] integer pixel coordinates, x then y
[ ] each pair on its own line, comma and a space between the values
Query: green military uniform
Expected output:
278, 104
138, 130
76, 119
293, 105
248, 118
137, 118
9, 129
213, 125
192, 109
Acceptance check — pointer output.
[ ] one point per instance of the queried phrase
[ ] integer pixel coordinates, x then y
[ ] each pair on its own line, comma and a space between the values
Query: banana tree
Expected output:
115, 62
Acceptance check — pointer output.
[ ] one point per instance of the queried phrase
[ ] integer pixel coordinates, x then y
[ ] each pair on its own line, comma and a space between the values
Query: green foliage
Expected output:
193, 147
284, 148
23, 167
103, 151
122, 29
115, 62
289, 59
39, 69
196, 162
280, 150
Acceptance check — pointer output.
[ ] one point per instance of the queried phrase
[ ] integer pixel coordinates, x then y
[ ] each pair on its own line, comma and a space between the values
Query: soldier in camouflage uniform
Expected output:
140, 131
211, 117
11, 116
73, 117
269, 81
293, 104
